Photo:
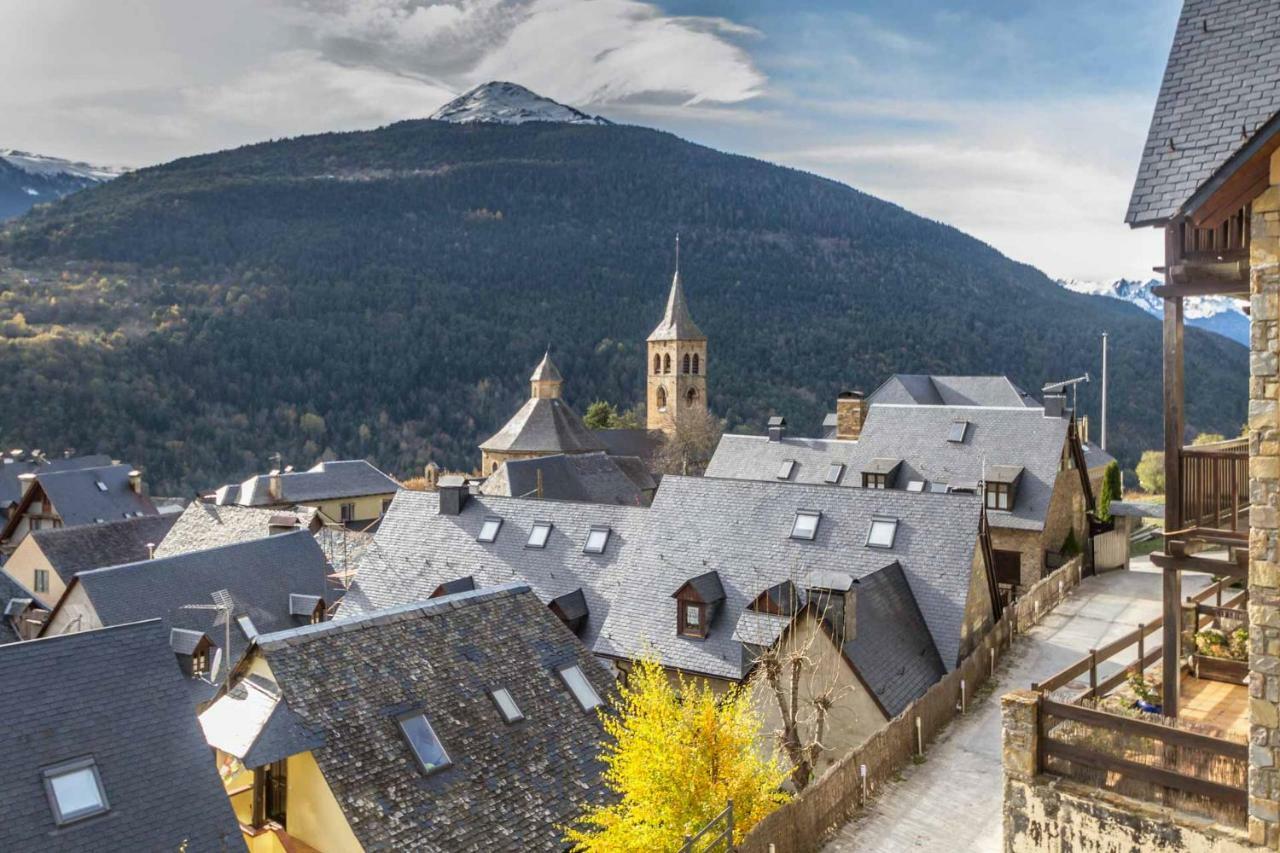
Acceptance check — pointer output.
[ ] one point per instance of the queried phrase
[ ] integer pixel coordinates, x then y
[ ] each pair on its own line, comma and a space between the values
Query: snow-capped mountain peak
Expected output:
38, 164
508, 103
1220, 314
28, 179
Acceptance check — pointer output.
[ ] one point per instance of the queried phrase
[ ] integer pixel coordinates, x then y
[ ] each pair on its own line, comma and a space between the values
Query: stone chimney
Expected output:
1055, 405
453, 494
851, 413
27, 480
135, 481
432, 476
777, 428
274, 487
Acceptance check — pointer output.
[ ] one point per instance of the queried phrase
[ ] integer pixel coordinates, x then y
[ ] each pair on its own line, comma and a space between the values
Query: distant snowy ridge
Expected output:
508, 103
1220, 314
38, 164
28, 179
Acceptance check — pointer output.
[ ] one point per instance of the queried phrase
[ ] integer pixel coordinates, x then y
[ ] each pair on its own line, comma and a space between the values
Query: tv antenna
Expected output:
1061, 387
223, 604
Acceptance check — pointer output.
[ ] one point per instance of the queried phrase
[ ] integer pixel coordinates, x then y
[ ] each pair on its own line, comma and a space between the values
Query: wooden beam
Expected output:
1202, 287
1148, 773
1235, 195
1222, 568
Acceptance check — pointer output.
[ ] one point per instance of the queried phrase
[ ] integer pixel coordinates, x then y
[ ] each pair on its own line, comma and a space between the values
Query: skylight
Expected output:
957, 431
102, 487
489, 530
784, 470
597, 540
507, 706
806, 524
246, 625
834, 472
882, 532
74, 790
938, 488
424, 743
538, 535
576, 680
915, 486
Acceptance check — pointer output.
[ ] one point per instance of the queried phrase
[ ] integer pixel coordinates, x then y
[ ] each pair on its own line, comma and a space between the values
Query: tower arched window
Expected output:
691, 397
695, 364
662, 399
666, 363
657, 363
685, 368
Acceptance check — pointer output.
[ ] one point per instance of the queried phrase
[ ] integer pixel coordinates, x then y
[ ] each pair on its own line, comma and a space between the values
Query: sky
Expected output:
1018, 121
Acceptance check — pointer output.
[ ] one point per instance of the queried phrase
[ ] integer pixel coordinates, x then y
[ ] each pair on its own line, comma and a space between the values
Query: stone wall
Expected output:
1264, 538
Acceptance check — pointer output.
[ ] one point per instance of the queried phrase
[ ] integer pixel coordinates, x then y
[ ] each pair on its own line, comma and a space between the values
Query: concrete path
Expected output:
952, 801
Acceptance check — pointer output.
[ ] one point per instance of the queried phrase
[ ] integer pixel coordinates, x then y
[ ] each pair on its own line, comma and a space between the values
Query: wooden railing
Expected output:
1215, 486
715, 837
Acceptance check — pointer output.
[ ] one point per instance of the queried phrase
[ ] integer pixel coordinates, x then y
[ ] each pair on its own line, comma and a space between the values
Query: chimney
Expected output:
135, 481
453, 494
1055, 405
851, 412
151, 550
274, 486
1082, 427
27, 480
850, 628
777, 428
281, 522
432, 476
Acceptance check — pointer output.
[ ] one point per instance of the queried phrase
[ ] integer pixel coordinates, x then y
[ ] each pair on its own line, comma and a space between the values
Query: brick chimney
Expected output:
851, 412
274, 487
135, 481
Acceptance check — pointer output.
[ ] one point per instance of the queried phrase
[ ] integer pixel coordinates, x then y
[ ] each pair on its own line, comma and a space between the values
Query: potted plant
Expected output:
1147, 691
1222, 656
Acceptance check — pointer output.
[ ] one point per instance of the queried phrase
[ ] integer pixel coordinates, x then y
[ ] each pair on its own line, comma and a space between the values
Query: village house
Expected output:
350, 492
212, 603
204, 525
593, 477
21, 614
1025, 460
1080, 771
467, 722
69, 498
16, 463
104, 752
46, 560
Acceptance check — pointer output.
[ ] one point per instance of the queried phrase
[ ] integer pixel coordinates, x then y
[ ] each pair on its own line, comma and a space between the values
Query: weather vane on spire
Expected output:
677, 252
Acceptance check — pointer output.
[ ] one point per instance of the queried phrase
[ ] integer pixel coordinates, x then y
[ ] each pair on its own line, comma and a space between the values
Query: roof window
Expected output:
102, 487
424, 743
246, 625
507, 706
882, 532
489, 529
597, 540
805, 525
956, 434
75, 790
915, 486
938, 488
785, 469
834, 472
538, 535
576, 680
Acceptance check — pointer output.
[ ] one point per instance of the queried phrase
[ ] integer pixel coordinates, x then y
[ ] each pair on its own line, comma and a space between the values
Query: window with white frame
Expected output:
805, 525
576, 680
882, 533
489, 529
75, 790
597, 540
539, 534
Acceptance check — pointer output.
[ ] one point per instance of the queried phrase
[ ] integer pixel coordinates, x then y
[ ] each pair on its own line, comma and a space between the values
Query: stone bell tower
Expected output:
677, 364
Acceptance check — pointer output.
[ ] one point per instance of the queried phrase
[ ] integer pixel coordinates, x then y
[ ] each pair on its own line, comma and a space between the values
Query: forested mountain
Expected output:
29, 179
386, 294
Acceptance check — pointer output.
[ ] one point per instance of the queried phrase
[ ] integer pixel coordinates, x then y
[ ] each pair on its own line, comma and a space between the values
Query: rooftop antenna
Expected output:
223, 604
1061, 387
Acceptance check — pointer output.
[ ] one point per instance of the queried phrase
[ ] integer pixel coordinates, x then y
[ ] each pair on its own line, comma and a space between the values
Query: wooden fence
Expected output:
804, 823
715, 837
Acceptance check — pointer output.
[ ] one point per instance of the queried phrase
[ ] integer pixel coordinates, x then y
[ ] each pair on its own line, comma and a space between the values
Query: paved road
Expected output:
952, 802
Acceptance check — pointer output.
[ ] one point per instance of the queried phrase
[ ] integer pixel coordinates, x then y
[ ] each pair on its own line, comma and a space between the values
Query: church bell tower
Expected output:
677, 364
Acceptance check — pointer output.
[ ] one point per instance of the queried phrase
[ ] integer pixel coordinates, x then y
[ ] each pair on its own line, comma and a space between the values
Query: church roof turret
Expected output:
677, 324
546, 371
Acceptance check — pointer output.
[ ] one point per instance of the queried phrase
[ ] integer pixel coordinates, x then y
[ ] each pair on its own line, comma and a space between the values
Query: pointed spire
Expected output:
546, 380
677, 324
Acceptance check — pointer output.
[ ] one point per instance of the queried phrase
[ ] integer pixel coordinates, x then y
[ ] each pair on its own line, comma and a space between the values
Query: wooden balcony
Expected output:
1214, 498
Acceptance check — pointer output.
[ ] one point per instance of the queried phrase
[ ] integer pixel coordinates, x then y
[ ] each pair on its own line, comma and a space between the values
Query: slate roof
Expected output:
92, 546
260, 575
546, 371
544, 425
349, 478
11, 590
677, 324
1095, 457
11, 486
77, 498
591, 477
1221, 85
892, 648
643, 444
927, 390
417, 549
204, 525
509, 786
251, 722
118, 698
741, 530
918, 436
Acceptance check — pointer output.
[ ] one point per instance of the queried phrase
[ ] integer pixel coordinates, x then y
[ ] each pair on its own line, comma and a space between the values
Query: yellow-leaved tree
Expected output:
672, 761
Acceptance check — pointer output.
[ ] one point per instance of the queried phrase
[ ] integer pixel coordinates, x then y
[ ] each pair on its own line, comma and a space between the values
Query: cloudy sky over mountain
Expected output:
1019, 121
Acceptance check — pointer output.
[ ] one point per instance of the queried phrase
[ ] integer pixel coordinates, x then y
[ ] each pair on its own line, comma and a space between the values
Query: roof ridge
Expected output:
390, 615
86, 633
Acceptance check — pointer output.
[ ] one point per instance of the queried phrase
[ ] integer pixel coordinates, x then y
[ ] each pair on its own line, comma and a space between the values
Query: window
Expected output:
998, 495
538, 535
882, 532
875, 481
200, 663
666, 363
422, 739
597, 539
806, 524
657, 363
834, 472
956, 434
695, 364
247, 626
576, 680
348, 512
662, 399
691, 397
915, 486
42, 580
489, 530
685, 368
938, 488
691, 618
785, 469
74, 790
102, 487
386, 505
507, 706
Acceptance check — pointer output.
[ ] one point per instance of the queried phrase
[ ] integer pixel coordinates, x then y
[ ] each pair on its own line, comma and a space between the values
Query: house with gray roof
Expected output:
930, 390
106, 754
465, 722
15, 464
68, 498
1024, 460
595, 477
348, 491
21, 613
203, 525
262, 585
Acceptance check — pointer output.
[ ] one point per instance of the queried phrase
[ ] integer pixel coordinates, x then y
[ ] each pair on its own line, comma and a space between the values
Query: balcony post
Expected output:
1173, 436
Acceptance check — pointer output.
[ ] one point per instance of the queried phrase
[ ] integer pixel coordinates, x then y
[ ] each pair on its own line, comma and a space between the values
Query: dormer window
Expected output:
880, 473
957, 432
309, 607
74, 789
875, 481
539, 534
697, 604
882, 533
200, 662
805, 525
834, 472
1000, 489
785, 469
998, 496
597, 540
489, 529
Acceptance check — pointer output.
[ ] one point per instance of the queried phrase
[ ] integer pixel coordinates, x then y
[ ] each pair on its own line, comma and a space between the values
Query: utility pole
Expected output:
1103, 437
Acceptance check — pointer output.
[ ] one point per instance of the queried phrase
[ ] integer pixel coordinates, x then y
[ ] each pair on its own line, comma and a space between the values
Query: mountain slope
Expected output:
30, 179
1219, 314
386, 293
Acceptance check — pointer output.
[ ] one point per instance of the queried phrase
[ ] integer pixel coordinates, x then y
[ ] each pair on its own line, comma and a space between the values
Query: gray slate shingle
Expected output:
204, 525
590, 477
78, 500
91, 546
346, 478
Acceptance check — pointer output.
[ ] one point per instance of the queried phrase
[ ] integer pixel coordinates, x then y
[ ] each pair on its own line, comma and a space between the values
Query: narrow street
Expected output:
952, 801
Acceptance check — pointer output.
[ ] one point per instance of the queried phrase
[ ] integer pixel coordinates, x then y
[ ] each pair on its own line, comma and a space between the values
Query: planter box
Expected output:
1220, 669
